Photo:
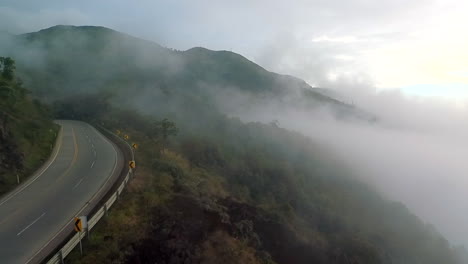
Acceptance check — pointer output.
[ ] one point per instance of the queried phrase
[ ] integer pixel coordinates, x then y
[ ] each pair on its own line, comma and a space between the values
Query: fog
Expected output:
415, 153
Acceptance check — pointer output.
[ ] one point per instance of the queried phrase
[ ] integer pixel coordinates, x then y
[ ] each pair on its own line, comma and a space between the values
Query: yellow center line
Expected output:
75, 155
76, 147
116, 158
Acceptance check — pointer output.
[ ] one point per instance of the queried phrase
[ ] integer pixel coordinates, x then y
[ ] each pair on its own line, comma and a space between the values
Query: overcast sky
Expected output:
418, 46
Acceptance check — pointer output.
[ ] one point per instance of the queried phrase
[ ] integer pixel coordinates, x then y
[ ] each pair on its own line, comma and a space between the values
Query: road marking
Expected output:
133, 153
76, 185
37, 219
100, 190
92, 145
75, 155
92, 164
59, 144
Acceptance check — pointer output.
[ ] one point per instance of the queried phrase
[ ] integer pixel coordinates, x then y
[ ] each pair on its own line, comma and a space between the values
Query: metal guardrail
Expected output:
75, 240
58, 258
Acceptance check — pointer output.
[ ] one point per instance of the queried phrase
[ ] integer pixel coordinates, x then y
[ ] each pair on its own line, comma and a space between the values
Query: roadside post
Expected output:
81, 223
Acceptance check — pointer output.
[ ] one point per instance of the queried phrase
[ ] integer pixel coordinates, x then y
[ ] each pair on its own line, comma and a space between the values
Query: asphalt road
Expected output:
83, 160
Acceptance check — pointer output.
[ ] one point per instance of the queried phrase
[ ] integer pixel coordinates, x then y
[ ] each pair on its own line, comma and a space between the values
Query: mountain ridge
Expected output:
210, 186
65, 52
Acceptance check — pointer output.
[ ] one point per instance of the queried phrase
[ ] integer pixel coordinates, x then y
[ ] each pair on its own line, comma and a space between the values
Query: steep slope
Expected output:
230, 192
96, 52
26, 130
222, 190
63, 60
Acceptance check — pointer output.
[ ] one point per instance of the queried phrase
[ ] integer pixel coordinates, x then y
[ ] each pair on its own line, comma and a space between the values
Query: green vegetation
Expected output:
246, 193
65, 60
210, 188
27, 133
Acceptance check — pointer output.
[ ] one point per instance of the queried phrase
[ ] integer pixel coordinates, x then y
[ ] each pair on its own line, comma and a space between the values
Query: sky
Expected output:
416, 46
405, 61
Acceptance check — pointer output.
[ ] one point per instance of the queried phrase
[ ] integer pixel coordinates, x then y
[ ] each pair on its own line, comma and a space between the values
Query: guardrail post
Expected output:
105, 209
130, 175
61, 256
81, 245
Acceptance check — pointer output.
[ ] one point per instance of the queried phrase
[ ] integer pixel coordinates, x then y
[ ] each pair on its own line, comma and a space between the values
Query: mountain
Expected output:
211, 188
64, 60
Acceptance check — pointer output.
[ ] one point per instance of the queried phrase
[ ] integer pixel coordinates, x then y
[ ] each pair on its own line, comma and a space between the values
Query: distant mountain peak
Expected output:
92, 58
72, 27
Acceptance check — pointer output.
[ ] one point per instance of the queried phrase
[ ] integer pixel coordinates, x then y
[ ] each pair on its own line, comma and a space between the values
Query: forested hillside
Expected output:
27, 133
64, 60
209, 187
220, 190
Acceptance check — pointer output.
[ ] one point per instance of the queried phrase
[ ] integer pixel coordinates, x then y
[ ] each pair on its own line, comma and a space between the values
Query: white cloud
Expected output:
415, 154
395, 42
418, 156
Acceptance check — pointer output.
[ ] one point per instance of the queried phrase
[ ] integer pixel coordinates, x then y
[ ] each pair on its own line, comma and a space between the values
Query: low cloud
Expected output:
416, 152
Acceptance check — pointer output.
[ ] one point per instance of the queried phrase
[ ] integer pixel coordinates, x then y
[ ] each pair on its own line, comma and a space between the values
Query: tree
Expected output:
161, 130
7, 68
168, 128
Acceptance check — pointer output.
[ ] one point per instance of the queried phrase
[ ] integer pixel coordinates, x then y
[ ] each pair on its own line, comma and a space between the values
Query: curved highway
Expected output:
83, 161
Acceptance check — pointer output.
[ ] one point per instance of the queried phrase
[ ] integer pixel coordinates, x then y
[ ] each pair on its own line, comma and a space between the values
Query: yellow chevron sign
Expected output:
78, 224
131, 164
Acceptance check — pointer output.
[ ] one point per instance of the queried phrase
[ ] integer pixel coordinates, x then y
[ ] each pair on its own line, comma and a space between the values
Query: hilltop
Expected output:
211, 188
64, 60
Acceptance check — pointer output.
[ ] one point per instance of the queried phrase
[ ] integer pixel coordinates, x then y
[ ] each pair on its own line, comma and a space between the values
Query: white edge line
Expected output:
37, 219
40, 174
92, 164
71, 220
76, 185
